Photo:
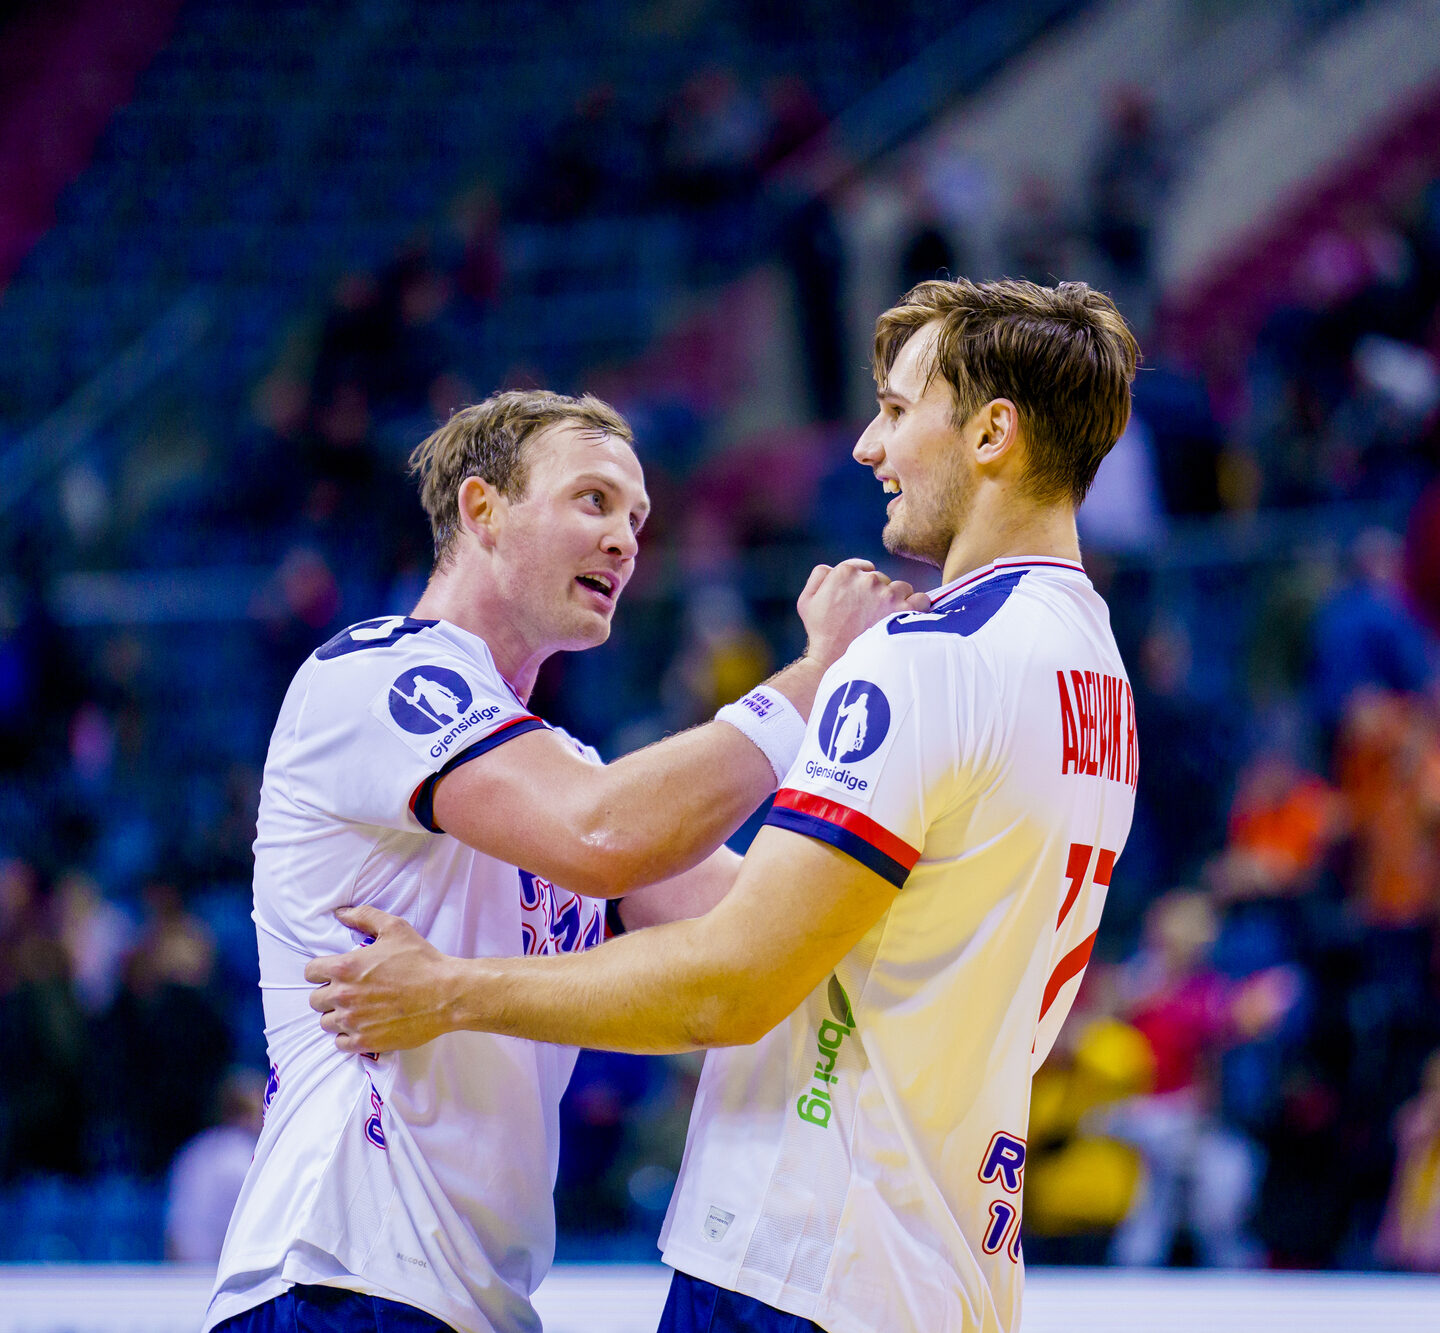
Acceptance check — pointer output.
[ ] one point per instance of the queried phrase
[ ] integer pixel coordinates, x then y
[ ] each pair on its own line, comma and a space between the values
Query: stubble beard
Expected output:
928, 531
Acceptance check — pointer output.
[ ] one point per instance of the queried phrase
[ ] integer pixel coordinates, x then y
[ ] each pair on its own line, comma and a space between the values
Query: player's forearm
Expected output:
664, 809
725, 979
799, 681
652, 994
684, 896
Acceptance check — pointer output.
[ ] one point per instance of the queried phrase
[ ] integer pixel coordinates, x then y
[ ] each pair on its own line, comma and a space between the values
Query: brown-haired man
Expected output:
413, 1191
923, 900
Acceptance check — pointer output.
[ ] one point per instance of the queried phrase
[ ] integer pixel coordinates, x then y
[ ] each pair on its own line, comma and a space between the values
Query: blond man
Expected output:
412, 1191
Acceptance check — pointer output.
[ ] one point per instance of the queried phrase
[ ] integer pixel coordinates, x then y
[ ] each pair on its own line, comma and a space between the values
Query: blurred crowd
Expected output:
1255, 1082
1251, 1075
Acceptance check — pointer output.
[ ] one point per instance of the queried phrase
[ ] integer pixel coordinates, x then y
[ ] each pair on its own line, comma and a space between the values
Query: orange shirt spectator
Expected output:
1388, 760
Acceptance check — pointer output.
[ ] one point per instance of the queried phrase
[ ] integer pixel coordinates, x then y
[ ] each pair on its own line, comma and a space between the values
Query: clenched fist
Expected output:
842, 601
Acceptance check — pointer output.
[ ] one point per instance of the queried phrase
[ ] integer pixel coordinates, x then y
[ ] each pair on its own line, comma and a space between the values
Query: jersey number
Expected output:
1077, 870
1004, 1165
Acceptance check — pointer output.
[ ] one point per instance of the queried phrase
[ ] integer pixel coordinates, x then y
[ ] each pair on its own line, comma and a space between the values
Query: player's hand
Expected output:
388, 996
844, 600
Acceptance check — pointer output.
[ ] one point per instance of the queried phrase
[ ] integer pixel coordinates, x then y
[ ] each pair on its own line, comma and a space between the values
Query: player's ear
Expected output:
999, 431
481, 508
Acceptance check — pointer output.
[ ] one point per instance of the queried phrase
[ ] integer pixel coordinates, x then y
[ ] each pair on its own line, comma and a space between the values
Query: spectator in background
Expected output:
1375, 443
208, 1171
1080, 1184
1175, 407
796, 118
1343, 392
1124, 511
299, 602
164, 1006
416, 294
591, 160
1127, 183
39, 677
930, 249
1283, 823
44, 1039
1410, 1234
602, 1099
96, 935
815, 254
1388, 764
928, 252
721, 655
357, 335
1039, 242
1365, 635
220, 850
1179, 805
17, 683
1422, 556
1200, 1174
715, 133
477, 234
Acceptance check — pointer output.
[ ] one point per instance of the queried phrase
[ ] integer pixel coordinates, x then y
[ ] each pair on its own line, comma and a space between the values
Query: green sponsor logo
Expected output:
814, 1106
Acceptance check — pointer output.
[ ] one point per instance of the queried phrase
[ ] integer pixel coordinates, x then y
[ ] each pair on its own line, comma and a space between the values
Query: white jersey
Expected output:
424, 1176
862, 1164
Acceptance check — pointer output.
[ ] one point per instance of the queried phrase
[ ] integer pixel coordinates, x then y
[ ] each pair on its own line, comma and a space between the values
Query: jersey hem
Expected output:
759, 1286
278, 1284
220, 1310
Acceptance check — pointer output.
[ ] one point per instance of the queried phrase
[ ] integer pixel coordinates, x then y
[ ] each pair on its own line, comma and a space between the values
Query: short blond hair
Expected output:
487, 440
1063, 355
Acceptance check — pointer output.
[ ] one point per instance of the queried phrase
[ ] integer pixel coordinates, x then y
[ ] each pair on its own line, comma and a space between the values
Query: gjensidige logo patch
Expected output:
852, 726
855, 721
427, 698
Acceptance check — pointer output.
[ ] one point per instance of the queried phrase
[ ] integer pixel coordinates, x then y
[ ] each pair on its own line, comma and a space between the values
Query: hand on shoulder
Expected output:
840, 602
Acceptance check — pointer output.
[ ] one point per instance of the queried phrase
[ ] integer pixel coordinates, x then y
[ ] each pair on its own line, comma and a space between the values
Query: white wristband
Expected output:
769, 720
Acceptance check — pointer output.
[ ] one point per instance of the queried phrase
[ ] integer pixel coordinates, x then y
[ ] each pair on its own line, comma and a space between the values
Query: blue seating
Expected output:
116, 1219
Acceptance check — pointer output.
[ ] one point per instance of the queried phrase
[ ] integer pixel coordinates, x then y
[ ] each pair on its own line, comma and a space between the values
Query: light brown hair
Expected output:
487, 440
1063, 355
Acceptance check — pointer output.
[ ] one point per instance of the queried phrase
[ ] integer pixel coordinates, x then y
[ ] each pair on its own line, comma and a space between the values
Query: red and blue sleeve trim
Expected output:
422, 802
847, 830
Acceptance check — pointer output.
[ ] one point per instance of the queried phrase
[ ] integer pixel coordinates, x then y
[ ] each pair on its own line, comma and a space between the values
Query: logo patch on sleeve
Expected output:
854, 726
432, 708
855, 721
427, 698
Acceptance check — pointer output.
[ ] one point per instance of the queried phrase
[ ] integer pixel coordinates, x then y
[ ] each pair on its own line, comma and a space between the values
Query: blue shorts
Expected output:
694, 1306
305, 1309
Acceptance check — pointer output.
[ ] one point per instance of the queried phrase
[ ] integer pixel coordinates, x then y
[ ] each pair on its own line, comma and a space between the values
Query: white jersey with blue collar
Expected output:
862, 1165
424, 1176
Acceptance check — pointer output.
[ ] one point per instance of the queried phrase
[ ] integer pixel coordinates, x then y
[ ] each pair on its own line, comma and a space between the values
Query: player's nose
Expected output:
868, 450
623, 542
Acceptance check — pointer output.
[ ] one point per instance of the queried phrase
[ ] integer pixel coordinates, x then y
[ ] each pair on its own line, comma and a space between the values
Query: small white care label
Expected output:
717, 1223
